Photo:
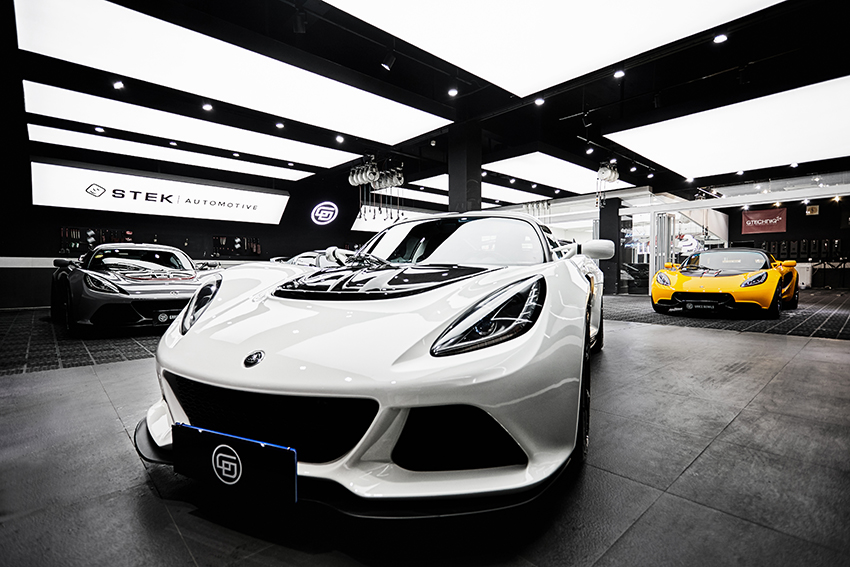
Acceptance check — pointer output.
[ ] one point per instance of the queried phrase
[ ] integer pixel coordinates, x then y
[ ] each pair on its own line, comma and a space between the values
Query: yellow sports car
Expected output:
727, 278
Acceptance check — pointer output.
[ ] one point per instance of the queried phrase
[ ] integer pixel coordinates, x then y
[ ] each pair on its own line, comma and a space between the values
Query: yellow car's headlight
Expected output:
662, 278
757, 279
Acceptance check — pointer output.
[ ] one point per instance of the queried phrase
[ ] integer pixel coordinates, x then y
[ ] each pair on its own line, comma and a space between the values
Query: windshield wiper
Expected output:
367, 258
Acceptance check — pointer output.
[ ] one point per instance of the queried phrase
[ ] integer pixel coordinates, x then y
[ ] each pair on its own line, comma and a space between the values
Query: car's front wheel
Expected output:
795, 299
775, 308
583, 430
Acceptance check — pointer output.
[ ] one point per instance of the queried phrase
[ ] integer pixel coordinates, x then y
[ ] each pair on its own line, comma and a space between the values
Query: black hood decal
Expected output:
383, 282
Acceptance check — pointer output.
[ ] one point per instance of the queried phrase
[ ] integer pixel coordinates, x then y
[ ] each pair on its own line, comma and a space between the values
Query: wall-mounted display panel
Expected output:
78, 188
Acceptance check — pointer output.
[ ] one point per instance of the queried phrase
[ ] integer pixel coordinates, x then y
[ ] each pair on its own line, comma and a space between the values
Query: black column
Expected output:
609, 229
464, 168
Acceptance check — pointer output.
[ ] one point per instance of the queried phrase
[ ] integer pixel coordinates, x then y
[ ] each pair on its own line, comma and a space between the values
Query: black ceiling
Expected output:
795, 43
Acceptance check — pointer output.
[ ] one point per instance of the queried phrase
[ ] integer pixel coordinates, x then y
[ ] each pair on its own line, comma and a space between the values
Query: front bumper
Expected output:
720, 298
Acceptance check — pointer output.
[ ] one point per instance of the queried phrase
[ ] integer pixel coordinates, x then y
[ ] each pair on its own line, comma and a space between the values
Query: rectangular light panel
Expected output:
112, 38
801, 125
525, 47
542, 168
488, 190
48, 135
87, 109
78, 188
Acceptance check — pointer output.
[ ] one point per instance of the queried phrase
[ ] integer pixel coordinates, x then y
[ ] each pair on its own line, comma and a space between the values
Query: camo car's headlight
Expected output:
101, 285
504, 315
759, 278
662, 278
200, 301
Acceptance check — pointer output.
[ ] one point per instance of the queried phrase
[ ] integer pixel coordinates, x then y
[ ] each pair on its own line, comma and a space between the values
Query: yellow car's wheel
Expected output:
775, 308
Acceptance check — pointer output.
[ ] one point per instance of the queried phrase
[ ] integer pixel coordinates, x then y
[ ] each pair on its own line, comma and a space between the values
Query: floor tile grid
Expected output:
673, 489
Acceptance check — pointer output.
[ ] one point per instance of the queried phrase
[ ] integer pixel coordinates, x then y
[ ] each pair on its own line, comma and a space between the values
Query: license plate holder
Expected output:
237, 465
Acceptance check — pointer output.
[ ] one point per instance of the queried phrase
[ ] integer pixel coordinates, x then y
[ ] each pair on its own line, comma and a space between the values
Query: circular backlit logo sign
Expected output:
324, 213
227, 464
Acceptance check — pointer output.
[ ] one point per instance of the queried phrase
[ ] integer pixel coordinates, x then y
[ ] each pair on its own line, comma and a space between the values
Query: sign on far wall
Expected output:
770, 220
77, 188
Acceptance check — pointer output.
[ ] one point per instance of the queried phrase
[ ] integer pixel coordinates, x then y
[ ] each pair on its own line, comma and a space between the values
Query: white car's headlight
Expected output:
759, 278
101, 285
662, 278
200, 301
504, 315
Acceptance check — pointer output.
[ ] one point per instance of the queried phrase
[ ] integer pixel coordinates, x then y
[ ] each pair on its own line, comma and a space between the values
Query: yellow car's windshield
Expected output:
727, 259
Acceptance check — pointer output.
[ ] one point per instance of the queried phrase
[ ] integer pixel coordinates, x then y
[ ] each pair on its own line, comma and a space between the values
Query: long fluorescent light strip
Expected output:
112, 38
800, 125
78, 107
94, 142
543, 42
488, 190
548, 170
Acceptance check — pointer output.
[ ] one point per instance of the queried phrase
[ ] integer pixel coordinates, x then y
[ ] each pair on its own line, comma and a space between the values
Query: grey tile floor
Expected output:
708, 447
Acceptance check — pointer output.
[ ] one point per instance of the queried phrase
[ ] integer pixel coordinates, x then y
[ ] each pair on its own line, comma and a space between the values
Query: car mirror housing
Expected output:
789, 263
598, 249
668, 265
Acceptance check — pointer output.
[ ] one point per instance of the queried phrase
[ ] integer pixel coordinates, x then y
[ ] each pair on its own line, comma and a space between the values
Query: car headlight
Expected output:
200, 301
101, 285
504, 315
759, 278
662, 278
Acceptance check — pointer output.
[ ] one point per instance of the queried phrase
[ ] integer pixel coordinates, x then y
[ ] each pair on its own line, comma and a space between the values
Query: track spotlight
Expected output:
452, 91
720, 38
389, 60
619, 74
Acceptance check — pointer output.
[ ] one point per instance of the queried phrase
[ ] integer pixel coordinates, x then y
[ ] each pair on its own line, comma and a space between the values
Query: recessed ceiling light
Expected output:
805, 201
720, 38
539, 101
534, 185
172, 143
118, 85
619, 74
837, 198
235, 154
746, 207
795, 165
740, 172
279, 125
207, 106
340, 139
483, 174
776, 204
691, 180
453, 92
589, 151
99, 129
650, 176
633, 169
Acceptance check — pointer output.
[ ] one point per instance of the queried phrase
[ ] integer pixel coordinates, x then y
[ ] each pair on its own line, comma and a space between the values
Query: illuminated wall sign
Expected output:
324, 213
771, 220
77, 188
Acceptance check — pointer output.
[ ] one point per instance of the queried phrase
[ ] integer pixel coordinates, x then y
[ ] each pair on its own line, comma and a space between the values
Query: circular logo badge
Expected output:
324, 213
254, 358
162, 317
227, 464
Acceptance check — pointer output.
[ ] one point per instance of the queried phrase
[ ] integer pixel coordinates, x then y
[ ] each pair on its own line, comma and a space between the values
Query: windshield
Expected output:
465, 240
138, 259
727, 259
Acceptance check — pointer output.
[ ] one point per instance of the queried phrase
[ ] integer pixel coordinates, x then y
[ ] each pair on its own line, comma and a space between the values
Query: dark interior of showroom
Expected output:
717, 439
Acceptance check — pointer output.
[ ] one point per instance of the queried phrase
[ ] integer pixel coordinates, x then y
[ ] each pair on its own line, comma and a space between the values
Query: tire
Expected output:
795, 299
599, 339
68, 314
775, 308
583, 430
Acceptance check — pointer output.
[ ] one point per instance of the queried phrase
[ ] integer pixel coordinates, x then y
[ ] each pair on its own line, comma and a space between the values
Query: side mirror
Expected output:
668, 265
789, 263
598, 249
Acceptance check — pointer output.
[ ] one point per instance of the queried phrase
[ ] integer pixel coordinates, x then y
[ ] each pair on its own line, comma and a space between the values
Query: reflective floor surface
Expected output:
708, 447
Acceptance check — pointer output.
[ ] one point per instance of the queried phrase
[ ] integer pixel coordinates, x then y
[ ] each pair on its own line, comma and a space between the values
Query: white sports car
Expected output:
443, 368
